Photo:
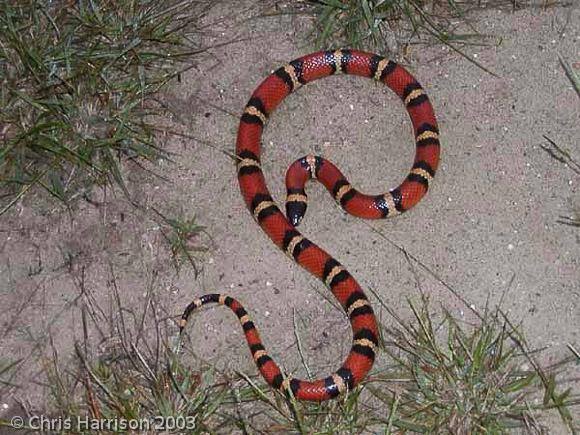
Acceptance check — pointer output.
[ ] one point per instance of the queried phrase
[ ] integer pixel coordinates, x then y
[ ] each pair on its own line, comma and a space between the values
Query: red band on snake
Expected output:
282, 230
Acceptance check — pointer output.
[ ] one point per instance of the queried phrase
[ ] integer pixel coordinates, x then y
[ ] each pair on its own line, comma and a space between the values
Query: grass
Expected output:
8, 369
76, 87
435, 374
442, 377
186, 239
392, 26
562, 154
124, 370
183, 240
469, 379
573, 73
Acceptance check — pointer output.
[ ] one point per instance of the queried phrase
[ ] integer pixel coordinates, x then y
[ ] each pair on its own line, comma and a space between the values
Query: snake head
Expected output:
295, 211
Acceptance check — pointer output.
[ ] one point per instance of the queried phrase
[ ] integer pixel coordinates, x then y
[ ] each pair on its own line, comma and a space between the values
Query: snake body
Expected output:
282, 230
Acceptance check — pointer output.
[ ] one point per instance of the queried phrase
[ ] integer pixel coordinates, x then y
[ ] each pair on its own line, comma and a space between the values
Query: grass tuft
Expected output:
184, 241
126, 374
391, 26
76, 80
467, 378
185, 237
443, 376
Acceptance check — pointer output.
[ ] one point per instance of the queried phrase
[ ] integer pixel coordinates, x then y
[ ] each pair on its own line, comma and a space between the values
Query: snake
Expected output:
282, 230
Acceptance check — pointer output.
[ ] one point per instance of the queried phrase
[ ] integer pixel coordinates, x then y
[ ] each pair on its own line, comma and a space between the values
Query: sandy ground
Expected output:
490, 217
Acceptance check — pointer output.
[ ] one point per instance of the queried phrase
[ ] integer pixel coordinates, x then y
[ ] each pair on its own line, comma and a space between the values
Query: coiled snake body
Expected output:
282, 229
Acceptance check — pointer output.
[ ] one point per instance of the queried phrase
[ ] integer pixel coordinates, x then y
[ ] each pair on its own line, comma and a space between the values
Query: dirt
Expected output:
488, 225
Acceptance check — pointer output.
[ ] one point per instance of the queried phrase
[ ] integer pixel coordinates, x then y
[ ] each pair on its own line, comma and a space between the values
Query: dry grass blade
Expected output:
299, 345
7, 370
572, 73
569, 220
564, 156
561, 154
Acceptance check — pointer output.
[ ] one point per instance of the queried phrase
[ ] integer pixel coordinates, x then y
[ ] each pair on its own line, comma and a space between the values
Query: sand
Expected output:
489, 222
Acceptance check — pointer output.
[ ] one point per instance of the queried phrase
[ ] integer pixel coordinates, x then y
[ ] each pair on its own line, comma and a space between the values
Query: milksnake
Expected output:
282, 230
